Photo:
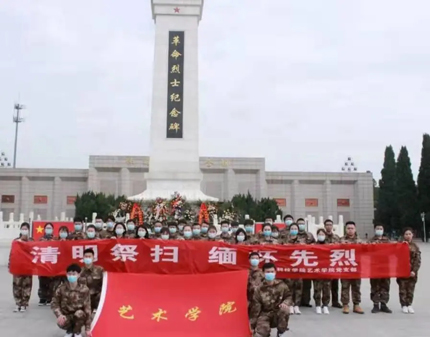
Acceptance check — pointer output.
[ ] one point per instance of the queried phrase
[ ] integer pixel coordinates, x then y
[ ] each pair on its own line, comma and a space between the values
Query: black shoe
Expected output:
385, 309
337, 305
375, 309
42, 303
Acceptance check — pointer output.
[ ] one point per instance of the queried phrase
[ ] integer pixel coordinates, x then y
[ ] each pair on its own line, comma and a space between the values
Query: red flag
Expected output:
38, 228
210, 305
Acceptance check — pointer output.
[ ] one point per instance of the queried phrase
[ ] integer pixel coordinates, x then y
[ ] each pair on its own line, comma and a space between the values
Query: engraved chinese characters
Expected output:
175, 85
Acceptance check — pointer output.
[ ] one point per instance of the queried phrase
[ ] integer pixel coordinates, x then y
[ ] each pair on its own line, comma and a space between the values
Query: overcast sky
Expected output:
304, 84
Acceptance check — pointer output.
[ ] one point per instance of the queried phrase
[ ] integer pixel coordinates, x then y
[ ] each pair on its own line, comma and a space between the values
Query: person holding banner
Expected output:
92, 276
142, 232
225, 235
78, 234
173, 229
110, 224
212, 234
270, 305
240, 237
204, 230
197, 232
131, 227
188, 232
164, 234
255, 276
267, 238
91, 233
322, 287
351, 285
119, 231
46, 284
157, 229
98, 224
407, 285
22, 284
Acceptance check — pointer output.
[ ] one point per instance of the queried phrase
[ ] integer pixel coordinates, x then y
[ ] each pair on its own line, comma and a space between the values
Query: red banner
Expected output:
173, 305
38, 228
347, 261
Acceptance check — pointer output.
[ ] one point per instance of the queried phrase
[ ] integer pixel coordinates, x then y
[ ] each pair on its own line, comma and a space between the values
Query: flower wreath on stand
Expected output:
120, 214
137, 213
159, 210
176, 204
212, 210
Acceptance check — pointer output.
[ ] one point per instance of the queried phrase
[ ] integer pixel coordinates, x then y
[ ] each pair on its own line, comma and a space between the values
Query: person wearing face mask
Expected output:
63, 235
251, 238
270, 305
288, 220
157, 229
240, 237
332, 238
255, 276
197, 232
267, 238
46, 284
212, 234
98, 224
22, 284
407, 285
295, 285
225, 235
322, 287
181, 225
188, 232
91, 233
351, 285
78, 233
173, 231
110, 224
142, 232
92, 276
119, 231
307, 238
164, 234
71, 304
234, 226
380, 288
131, 229
204, 230
275, 234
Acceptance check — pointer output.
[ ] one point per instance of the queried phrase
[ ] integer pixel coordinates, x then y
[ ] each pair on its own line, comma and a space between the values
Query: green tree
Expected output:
89, 202
406, 192
256, 209
269, 208
424, 179
386, 212
375, 196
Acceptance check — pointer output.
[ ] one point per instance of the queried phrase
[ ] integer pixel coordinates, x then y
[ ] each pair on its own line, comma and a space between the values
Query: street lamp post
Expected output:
423, 218
17, 119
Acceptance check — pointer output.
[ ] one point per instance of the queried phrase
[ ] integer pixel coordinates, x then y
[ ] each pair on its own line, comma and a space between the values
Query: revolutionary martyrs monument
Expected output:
174, 136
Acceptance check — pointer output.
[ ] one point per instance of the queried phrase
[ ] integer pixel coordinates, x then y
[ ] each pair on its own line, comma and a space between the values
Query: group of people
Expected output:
74, 298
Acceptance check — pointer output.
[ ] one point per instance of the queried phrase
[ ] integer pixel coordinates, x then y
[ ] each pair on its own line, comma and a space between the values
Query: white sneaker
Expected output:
411, 310
78, 335
318, 310
325, 311
23, 309
17, 308
291, 310
297, 310
405, 310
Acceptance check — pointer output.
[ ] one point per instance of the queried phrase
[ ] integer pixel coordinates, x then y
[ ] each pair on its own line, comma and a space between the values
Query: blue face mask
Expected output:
267, 233
212, 235
91, 235
157, 229
98, 225
88, 260
379, 232
288, 222
241, 238
249, 229
78, 226
48, 231
110, 225
63, 235
302, 227
205, 229
172, 230
233, 229
196, 231
275, 234
72, 278
294, 232
269, 276
187, 234
255, 262
224, 229
131, 226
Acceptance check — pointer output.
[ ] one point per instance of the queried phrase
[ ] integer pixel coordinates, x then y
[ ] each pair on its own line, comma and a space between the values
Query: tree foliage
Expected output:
89, 202
424, 176
256, 209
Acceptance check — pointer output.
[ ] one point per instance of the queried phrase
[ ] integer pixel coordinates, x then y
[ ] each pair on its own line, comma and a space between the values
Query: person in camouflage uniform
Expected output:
255, 276
92, 276
98, 224
351, 285
119, 231
78, 234
322, 287
332, 238
63, 235
110, 224
288, 220
174, 232
267, 238
204, 230
142, 232
188, 232
197, 231
131, 228
407, 285
270, 304
157, 229
234, 226
212, 234
251, 237
295, 285
91, 233
380, 288
71, 304
225, 235
181, 224
22, 284
46, 284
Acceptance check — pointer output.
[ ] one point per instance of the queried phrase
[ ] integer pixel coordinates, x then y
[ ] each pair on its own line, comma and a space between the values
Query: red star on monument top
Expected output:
176, 9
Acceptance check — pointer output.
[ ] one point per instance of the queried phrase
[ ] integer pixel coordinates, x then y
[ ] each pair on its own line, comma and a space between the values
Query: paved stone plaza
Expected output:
39, 321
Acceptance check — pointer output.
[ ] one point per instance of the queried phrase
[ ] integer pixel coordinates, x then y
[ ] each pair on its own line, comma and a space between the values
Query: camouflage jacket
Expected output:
283, 233
93, 278
306, 237
379, 239
252, 239
268, 241
267, 299
176, 236
294, 240
226, 237
415, 257
105, 234
46, 238
77, 236
332, 238
255, 279
354, 239
67, 301
130, 234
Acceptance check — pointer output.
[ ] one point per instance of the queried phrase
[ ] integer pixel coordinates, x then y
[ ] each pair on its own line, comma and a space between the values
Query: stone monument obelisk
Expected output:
174, 143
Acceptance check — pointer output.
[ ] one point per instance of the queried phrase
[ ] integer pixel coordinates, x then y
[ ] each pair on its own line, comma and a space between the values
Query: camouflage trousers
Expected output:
380, 290
322, 290
74, 322
46, 288
306, 292
269, 320
353, 286
296, 289
22, 289
406, 290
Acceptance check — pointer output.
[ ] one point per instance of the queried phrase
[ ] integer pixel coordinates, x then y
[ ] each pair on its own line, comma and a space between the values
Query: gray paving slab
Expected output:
39, 321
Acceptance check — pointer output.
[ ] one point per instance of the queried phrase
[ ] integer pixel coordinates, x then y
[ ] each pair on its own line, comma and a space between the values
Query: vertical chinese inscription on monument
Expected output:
175, 85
